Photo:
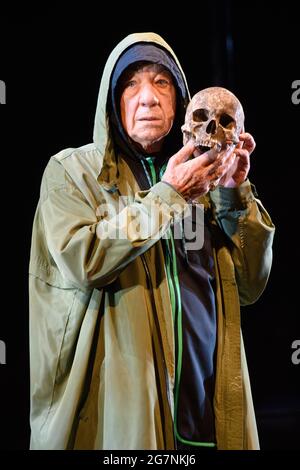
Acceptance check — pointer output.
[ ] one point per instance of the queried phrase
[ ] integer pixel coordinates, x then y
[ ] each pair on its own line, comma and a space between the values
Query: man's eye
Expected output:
131, 83
162, 82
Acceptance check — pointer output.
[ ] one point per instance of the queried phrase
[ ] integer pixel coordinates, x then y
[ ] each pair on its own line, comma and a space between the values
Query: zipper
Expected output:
153, 180
169, 232
150, 285
176, 305
174, 290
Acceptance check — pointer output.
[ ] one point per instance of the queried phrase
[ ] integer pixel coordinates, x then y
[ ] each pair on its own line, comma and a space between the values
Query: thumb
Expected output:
184, 153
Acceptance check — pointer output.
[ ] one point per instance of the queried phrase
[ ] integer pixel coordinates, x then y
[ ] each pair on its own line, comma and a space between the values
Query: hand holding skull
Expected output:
212, 133
239, 170
193, 177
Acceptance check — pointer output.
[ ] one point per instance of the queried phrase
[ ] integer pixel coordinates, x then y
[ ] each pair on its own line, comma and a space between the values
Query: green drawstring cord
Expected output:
152, 178
183, 241
161, 173
162, 170
152, 170
174, 289
171, 266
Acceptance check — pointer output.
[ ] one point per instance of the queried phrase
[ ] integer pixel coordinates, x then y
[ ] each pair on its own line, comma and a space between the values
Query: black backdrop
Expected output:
52, 67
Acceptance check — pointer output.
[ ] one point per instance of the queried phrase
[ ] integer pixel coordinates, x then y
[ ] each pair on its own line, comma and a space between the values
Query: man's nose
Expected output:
148, 96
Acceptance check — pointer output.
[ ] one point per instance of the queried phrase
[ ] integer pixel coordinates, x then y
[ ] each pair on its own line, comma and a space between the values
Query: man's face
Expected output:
148, 105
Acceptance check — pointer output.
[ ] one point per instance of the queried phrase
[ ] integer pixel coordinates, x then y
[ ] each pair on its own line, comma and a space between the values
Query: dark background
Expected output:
52, 66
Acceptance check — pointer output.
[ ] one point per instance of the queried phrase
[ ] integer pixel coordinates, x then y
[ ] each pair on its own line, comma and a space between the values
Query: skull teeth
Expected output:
209, 144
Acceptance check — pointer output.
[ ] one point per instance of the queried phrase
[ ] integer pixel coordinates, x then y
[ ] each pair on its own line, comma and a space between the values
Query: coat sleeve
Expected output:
250, 231
90, 250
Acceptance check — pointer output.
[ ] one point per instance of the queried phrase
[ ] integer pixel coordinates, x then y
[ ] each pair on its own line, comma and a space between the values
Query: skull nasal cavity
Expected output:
211, 127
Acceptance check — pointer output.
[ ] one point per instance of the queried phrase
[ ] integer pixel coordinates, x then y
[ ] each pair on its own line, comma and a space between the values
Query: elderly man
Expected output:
135, 339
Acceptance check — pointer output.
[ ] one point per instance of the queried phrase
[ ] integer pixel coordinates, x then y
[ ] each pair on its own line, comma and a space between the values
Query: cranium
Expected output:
214, 117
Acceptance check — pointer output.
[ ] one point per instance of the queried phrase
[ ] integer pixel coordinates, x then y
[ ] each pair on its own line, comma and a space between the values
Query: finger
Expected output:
243, 160
239, 145
184, 153
215, 157
225, 159
217, 172
243, 154
226, 165
248, 141
204, 159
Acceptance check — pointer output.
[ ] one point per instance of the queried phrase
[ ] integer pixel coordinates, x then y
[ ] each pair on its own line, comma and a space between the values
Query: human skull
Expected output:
214, 117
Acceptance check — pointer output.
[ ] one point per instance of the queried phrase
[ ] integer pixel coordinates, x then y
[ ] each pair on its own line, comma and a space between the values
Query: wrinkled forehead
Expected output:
139, 67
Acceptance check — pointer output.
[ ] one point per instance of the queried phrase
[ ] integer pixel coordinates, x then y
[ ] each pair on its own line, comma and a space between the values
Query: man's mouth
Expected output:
149, 118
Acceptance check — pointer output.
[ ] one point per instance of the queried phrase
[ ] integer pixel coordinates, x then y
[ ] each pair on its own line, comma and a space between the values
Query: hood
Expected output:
102, 133
149, 53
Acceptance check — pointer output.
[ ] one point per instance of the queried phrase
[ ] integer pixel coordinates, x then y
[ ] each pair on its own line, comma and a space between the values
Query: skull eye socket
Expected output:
226, 121
200, 115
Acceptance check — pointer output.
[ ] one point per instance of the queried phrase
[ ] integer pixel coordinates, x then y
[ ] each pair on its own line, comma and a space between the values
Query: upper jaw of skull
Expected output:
205, 141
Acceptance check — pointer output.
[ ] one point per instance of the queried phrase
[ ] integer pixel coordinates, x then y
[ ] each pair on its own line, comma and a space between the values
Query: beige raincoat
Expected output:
101, 328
